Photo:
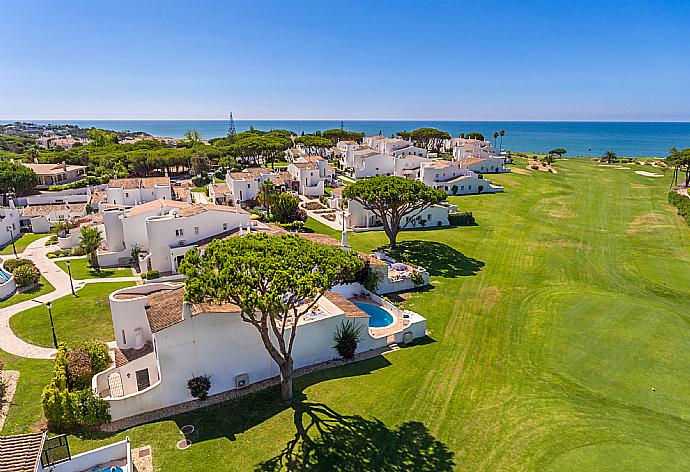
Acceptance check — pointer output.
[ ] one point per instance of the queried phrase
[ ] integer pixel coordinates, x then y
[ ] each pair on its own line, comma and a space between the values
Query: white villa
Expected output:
163, 341
36, 452
311, 174
358, 218
386, 145
244, 185
484, 165
135, 191
56, 174
43, 217
454, 179
9, 223
164, 230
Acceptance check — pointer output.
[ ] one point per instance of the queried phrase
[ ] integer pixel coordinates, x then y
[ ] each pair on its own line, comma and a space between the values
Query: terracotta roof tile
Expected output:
20, 453
156, 205
165, 308
125, 356
44, 210
141, 182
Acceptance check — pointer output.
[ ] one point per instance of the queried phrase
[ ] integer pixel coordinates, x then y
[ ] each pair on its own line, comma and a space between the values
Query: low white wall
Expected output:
7, 288
102, 455
112, 259
71, 240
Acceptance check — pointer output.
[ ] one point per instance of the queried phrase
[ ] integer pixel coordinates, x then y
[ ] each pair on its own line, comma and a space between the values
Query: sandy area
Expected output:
11, 377
648, 174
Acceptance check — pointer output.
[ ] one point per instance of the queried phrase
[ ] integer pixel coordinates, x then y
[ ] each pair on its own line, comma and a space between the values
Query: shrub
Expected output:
77, 251
417, 279
26, 275
295, 226
462, 219
286, 209
201, 181
369, 277
682, 203
152, 274
199, 386
346, 337
534, 167
11, 264
52, 240
69, 407
98, 354
78, 369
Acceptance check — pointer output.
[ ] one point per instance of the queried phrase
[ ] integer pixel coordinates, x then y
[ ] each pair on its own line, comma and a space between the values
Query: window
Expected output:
196, 230
428, 217
143, 380
179, 232
126, 194
124, 338
225, 226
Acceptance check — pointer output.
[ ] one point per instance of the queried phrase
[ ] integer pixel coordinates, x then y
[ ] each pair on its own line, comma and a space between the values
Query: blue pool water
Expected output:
4, 276
378, 317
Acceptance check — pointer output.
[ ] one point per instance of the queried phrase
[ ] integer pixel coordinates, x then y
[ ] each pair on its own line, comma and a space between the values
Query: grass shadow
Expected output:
327, 440
437, 258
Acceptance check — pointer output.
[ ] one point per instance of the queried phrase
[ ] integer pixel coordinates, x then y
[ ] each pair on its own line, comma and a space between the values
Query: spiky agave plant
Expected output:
346, 337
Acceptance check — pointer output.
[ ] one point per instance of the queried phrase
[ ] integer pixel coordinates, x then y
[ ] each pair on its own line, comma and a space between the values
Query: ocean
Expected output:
633, 139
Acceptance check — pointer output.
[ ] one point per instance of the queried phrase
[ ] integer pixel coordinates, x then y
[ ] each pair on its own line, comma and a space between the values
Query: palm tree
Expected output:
609, 156
32, 154
495, 137
91, 238
266, 195
501, 134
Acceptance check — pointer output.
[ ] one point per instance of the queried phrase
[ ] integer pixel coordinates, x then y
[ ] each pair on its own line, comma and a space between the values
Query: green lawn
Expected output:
81, 270
76, 319
22, 242
559, 331
42, 288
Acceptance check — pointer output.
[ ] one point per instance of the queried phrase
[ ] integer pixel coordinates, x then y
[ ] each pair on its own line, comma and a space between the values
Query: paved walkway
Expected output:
36, 252
318, 217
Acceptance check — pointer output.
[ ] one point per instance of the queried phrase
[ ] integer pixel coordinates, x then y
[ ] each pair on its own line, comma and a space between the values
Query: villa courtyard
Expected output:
558, 331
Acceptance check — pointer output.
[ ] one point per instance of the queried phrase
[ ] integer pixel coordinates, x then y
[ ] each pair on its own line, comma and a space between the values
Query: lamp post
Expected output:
14, 249
69, 271
49, 305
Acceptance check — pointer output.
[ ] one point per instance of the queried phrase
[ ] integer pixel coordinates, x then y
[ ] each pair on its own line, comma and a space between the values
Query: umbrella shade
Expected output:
399, 266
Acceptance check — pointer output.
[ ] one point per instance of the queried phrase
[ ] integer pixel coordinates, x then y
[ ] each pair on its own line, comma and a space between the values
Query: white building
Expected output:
411, 151
164, 230
163, 341
451, 177
24, 453
43, 217
358, 218
135, 191
244, 185
311, 173
9, 224
484, 165
56, 174
386, 145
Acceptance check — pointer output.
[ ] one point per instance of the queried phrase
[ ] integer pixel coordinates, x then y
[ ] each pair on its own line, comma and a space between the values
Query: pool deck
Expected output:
392, 328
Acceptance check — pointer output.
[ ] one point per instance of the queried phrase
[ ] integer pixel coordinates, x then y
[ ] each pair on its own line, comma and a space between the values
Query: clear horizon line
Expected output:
12, 120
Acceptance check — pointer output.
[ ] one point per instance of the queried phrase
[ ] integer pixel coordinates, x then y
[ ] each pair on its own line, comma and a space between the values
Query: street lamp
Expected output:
49, 305
69, 271
11, 230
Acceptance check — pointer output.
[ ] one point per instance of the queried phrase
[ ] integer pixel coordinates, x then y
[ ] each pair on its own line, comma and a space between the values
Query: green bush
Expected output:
199, 386
80, 407
152, 274
682, 203
11, 264
346, 338
79, 370
295, 226
462, 219
26, 275
98, 353
201, 181
77, 251
417, 279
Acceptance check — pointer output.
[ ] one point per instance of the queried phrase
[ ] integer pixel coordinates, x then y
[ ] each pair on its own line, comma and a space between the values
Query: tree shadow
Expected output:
327, 440
437, 258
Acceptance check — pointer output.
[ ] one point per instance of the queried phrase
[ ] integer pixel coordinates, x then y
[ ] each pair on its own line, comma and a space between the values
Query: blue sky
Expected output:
518, 60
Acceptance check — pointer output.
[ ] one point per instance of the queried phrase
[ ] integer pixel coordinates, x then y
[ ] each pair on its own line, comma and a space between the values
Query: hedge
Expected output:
81, 407
11, 264
682, 203
25, 275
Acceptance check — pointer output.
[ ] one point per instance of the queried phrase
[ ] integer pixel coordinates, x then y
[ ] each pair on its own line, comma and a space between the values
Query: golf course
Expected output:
559, 339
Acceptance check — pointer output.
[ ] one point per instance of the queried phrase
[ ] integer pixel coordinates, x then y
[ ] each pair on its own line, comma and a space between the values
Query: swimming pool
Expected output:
4, 276
378, 317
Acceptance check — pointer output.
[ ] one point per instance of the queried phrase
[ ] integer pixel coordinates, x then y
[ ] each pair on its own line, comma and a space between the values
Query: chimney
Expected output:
35, 160
64, 165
